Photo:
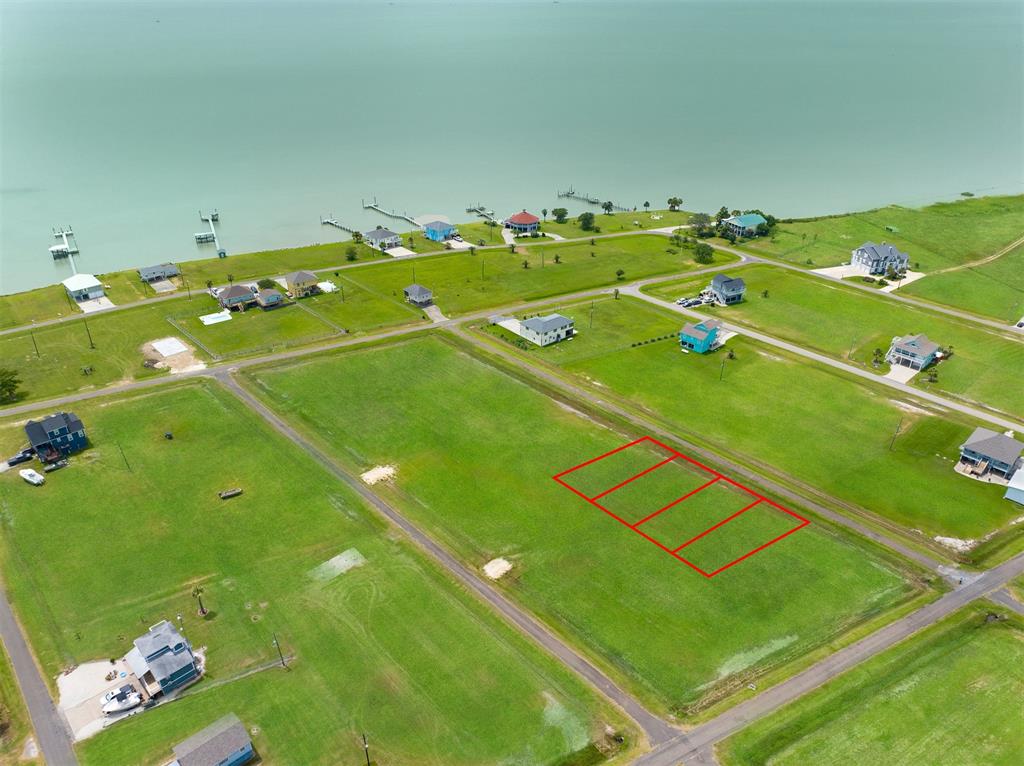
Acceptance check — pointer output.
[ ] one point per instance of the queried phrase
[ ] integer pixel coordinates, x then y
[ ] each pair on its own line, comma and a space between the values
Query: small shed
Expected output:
418, 295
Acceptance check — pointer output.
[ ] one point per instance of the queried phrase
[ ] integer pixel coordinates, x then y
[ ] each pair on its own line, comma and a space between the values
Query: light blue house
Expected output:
162, 659
438, 231
223, 743
744, 225
699, 337
913, 351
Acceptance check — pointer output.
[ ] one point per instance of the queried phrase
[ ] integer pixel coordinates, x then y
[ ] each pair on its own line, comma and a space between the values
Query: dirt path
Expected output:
987, 259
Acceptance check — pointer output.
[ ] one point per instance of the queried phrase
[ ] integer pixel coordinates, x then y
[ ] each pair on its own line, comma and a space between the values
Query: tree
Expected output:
526, 264
209, 284
586, 221
764, 293
763, 229
647, 206
351, 253
560, 214
620, 273
701, 224
512, 248
472, 250
544, 212
231, 279
703, 253
357, 237
266, 284
722, 214
558, 258
674, 203
197, 594
615, 293
9, 385
607, 207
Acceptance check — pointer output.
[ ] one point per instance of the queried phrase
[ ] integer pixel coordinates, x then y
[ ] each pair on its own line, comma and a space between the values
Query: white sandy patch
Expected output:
175, 355
497, 568
958, 545
168, 346
1016, 521
338, 565
557, 716
744, 660
907, 407
378, 474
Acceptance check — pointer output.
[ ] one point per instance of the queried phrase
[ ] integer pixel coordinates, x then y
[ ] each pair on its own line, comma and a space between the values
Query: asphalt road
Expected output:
987, 416
656, 730
51, 732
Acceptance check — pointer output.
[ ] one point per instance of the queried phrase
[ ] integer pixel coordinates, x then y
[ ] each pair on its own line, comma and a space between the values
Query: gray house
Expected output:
986, 452
222, 743
418, 295
162, 659
728, 290
158, 272
914, 351
236, 296
382, 239
879, 259
548, 329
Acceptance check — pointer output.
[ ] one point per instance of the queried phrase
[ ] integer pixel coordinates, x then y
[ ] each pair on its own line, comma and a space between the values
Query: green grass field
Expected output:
850, 324
390, 647
993, 289
475, 452
951, 695
617, 222
937, 236
774, 410
15, 726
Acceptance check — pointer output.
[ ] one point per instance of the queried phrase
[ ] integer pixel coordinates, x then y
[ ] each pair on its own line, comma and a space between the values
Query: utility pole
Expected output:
34, 345
277, 645
721, 372
895, 434
86, 323
591, 315
366, 750
342, 288
124, 458
188, 289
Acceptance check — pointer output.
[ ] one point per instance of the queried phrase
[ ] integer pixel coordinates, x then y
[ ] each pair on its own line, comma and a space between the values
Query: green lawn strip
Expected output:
950, 694
851, 325
34, 305
616, 222
476, 470
389, 647
994, 289
936, 236
784, 412
15, 726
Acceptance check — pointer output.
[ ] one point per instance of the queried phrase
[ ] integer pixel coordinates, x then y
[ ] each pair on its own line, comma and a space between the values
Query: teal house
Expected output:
699, 337
438, 231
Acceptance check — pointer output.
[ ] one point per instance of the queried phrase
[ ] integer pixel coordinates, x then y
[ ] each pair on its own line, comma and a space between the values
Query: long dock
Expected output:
211, 235
573, 194
390, 213
332, 221
482, 211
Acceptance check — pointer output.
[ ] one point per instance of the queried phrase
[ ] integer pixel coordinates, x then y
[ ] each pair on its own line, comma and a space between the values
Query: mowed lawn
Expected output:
489, 278
936, 236
994, 289
949, 697
475, 452
813, 423
117, 541
850, 324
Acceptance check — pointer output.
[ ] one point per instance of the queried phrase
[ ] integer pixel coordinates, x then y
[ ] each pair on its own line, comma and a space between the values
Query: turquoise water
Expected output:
124, 119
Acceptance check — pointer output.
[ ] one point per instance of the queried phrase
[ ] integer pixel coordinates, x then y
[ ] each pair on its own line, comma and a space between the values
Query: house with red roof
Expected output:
523, 223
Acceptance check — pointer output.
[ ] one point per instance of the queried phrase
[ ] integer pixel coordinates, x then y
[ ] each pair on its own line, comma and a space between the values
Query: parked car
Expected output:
22, 457
32, 477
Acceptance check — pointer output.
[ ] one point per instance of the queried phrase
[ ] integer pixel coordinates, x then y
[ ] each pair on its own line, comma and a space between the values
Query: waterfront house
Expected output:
879, 259
438, 231
914, 351
223, 743
547, 329
744, 225
83, 287
418, 295
268, 298
700, 337
988, 452
523, 222
162, 659
158, 272
301, 283
236, 297
728, 290
56, 436
382, 239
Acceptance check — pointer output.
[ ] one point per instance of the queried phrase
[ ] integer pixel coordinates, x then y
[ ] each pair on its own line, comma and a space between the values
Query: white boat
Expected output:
119, 701
32, 477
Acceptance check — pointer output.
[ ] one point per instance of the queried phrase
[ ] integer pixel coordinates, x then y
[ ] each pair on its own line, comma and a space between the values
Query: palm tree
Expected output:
231, 279
620, 273
357, 237
197, 594
209, 284
544, 212
558, 258
526, 264
647, 206
674, 203
472, 250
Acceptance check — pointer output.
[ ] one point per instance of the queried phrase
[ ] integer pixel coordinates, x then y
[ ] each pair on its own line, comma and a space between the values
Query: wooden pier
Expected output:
332, 221
482, 211
573, 194
390, 213
69, 246
203, 237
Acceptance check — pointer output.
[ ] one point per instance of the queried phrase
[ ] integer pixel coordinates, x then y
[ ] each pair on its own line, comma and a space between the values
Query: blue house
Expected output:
744, 225
56, 436
162, 659
988, 452
699, 337
438, 231
914, 351
222, 743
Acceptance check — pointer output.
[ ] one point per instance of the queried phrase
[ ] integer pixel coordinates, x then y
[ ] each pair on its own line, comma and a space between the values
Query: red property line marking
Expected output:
669, 459
761, 547
723, 521
675, 502
602, 457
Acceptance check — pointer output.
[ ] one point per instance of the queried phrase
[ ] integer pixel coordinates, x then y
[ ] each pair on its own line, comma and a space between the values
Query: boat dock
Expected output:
389, 213
332, 221
573, 194
203, 237
481, 211
69, 246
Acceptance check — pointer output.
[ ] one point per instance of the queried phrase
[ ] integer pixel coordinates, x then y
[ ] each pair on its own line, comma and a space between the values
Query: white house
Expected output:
547, 330
83, 287
382, 239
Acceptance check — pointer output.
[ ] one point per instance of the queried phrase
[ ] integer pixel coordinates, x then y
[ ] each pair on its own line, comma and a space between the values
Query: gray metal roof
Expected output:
418, 292
918, 345
163, 270
551, 322
379, 233
692, 331
300, 277
166, 665
161, 636
235, 291
214, 744
270, 292
37, 431
882, 251
727, 283
996, 446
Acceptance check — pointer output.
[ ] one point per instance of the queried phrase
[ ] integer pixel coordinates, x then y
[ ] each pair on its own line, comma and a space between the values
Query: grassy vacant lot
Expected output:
951, 695
15, 726
937, 236
462, 282
813, 423
475, 451
110, 545
617, 222
850, 324
994, 289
